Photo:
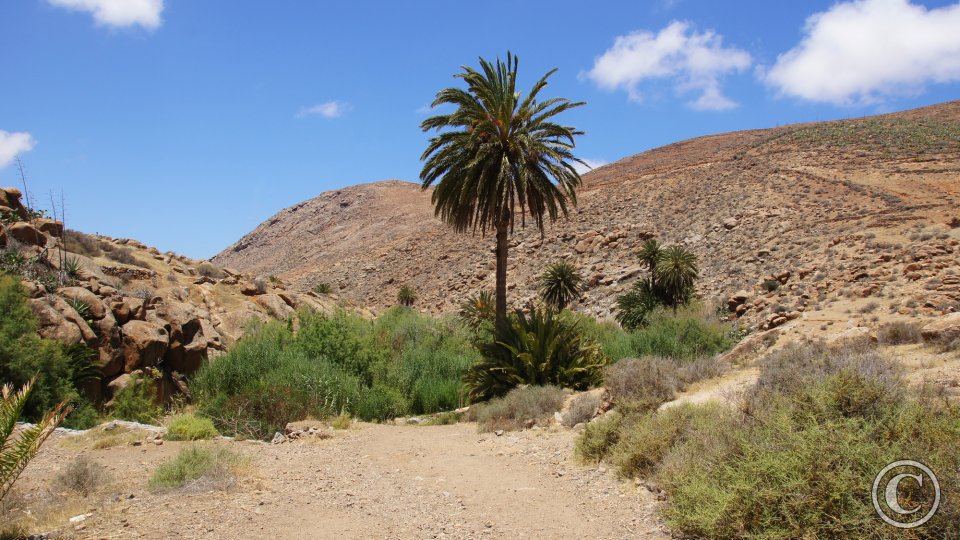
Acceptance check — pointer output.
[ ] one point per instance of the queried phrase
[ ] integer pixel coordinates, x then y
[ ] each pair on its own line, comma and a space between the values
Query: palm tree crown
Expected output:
560, 285
676, 272
499, 154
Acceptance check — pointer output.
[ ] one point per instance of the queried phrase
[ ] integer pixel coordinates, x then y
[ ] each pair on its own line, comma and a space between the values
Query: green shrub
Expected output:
342, 421
770, 285
540, 349
322, 288
798, 460
478, 310
406, 296
207, 466
599, 437
684, 336
188, 427
136, 402
60, 371
403, 362
521, 406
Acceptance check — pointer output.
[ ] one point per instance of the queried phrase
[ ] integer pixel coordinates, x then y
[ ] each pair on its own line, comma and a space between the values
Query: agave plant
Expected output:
16, 452
560, 285
82, 308
538, 349
406, 296
477, 310
322, 288
73, 268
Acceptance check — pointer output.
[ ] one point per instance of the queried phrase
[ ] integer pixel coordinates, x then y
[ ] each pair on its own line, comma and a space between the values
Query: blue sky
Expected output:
185, 123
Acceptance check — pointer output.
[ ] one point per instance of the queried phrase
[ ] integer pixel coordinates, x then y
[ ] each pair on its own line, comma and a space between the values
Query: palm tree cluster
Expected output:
406, 296
672, 273
498, 157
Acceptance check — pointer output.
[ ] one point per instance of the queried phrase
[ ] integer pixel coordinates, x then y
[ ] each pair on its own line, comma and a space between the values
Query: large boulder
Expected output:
79, 294
3, 237
10, 198
50, 226
144, 344
52, 324
27, 234
275, 305
944, 329
188, 346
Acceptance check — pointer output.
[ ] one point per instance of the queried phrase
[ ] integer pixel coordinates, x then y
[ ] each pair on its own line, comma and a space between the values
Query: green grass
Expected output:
208, 466
188, 427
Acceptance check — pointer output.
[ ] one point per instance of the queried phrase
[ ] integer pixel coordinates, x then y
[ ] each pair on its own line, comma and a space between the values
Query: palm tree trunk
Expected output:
501, 301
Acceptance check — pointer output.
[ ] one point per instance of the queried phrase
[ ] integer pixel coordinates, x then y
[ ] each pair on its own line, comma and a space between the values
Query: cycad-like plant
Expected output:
477, 310
538, 349
73, 268
406, 296
560, 285
499, 157
322, 288
16, 452
676, 272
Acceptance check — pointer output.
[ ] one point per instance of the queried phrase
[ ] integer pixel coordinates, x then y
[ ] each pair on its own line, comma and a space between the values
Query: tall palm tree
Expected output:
648, 255
499, 155
560, 285
676, 271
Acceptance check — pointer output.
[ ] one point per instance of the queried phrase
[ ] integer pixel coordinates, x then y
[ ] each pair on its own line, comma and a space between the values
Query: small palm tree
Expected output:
648, 255
477, 310
676, 272
406, 296
499, 157
560, 285
16, 453
634, 307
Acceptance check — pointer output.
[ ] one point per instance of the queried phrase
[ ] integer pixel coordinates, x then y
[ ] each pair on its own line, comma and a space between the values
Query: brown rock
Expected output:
944, 329
53, 325
27, 234
144, 344
97, 310
3, 237
275, 306
50, 226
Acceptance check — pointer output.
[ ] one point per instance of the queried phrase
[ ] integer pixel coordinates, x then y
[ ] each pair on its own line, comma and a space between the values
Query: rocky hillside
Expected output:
852, 219
136, 307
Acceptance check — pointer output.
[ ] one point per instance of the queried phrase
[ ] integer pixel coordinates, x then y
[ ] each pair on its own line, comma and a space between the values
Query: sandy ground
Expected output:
372, 481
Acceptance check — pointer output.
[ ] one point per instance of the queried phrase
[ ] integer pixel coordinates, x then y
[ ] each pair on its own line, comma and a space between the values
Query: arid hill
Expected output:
852, 219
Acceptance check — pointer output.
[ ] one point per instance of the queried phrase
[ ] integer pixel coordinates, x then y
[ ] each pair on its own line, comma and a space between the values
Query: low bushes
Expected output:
643, 384
798, 458
188, 427
136, 402
200, 466
83, 475
401, 363
518, 409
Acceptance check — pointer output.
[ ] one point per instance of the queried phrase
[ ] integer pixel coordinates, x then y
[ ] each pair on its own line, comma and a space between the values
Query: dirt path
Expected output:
376, 481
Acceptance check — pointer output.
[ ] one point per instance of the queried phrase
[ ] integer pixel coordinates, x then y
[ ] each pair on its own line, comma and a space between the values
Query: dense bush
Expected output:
189, 427
401, 363
136, 402
798, 459
60, 371
541, 348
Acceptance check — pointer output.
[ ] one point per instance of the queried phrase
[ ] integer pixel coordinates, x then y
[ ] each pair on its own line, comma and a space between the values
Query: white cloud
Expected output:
590, 165
693, 61
330, 109
119, 13
863, 51
12, 144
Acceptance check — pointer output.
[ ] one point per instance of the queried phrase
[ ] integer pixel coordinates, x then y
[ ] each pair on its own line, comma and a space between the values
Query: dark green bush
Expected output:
136, 402
61, 371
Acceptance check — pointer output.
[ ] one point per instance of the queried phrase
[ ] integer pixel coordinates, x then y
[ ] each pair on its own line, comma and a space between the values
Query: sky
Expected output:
186, 123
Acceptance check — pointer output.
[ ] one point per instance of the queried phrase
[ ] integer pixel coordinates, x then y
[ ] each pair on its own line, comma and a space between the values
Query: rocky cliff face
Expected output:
136, 307
852, 219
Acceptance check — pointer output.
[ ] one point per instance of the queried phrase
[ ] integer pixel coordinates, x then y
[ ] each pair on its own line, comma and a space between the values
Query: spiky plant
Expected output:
477, 310
322, 288
73, 268
82, 308
16, 452
560, 285
406, 296
499, 157
676, 272
634, 307
538, 349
